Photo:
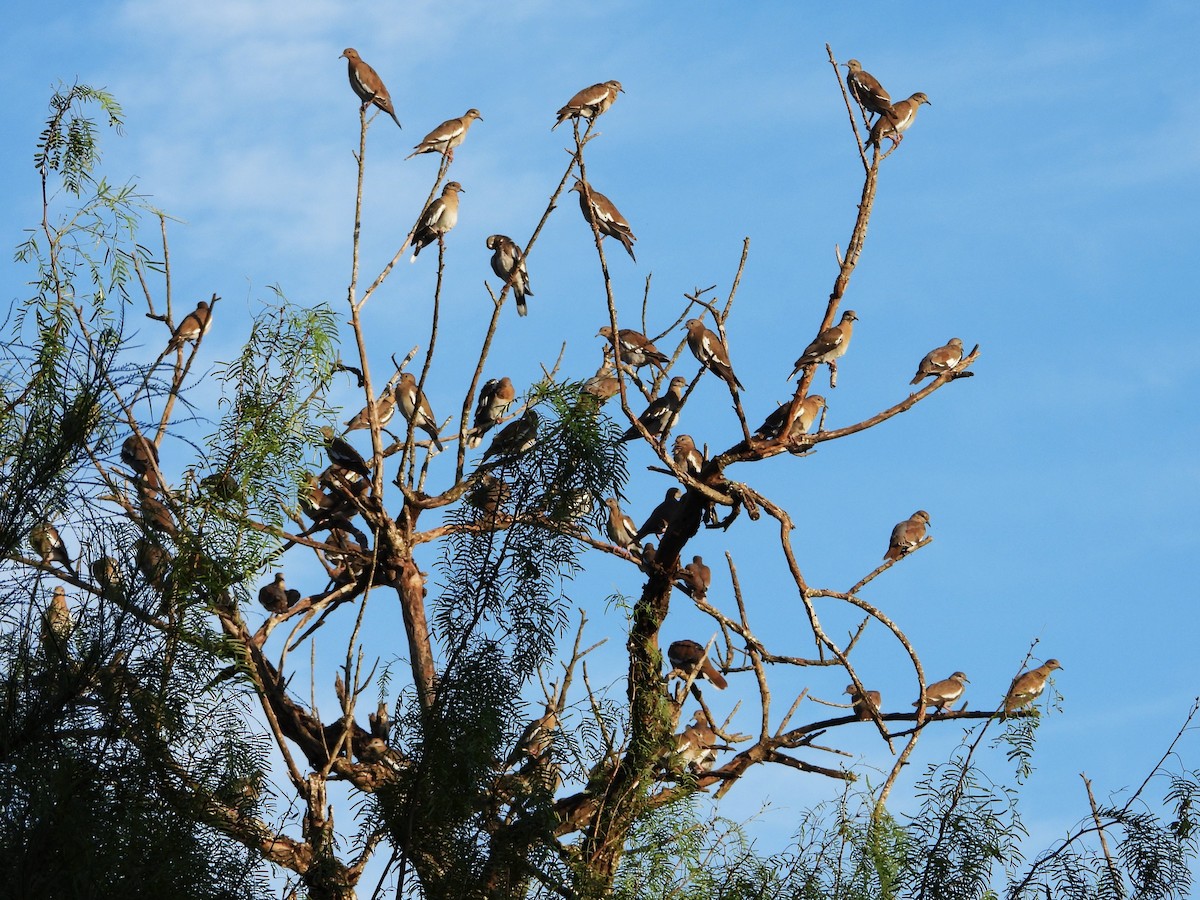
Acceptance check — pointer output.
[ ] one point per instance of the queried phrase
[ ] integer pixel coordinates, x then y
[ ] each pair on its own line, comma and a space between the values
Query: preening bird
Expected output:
620, 529
415, 407
907, 534
495, 397
590, 102
685, 655
864, 704
897, 120
274, 596
942, 693
866, 89
438, 218
1028, 686
636, 349
601, 212
662, 412
367, 84
696, 744
48, 544
828, 346
447, 136
193, 327
385, 408
685, 455
342, 454
940, 361
660, 519
697, 576
711, 351
508, 262
514, 439
139, 453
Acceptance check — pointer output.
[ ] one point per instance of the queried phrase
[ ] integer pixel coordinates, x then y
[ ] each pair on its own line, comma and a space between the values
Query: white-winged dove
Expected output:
274, 596
907, 534
604, 385
710, 350
48, 544
57, 622
1028, 686
636, 349
536, 740
649, 553
223, 486
661, 517
107, 572
515, 438
508, 262
620, 529
942, 693
601, 212
590, 102
193, 327
866, 89
438, 217
155, 514
806, 417
495, 397
828, 346
385, 408
660, 415
139, 453
696, 744
864, 704
342, 454
152, 561
489, 494
367, 84
685, 655
414, 406
697, 576
897, 120
940, 361
686, 456
447, 136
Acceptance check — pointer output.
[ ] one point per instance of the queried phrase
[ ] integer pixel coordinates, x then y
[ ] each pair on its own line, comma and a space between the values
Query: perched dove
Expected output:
866, 89
415, 407
508, 262
864, 704
1028, 686
828, 346
590, 102
685, 655
367, 84
662, 412
710, 350
636, 349
495, 397
438, 218
940, 361
907, 534
447, 136
193, 327
897, 120
601, 212
942, 693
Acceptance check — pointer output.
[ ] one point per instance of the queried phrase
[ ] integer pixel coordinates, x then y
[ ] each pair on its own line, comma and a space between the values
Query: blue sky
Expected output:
1043, 206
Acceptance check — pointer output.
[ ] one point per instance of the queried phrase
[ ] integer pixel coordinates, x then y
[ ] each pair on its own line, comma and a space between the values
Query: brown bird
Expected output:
686, 456
636, 349
604, 384
697, 576
152, 561
414, 406
866, 89
367, 84
601, 212
662, 516
107, 572
438, 218
514, 439
662, 412
488, 494
695, 746
806, 417
57, 622
940, 361
385, 408
274, 596
1028, 686
620, 528
685, 655
942, 693
342, 454
828, 346
590, 102
139, 453
495, 397
48, 544
897, 120
508, 262
156, 514
193, 327
447, 136
711, 351
907, 534
864, 704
